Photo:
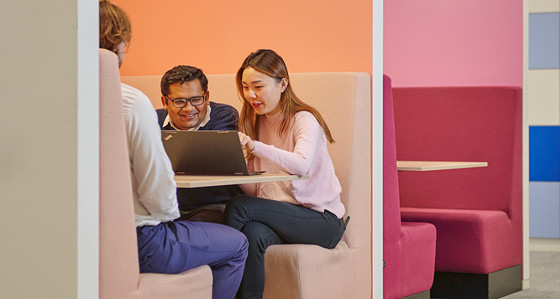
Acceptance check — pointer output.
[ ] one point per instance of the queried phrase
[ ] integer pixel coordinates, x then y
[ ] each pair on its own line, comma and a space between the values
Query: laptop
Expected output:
205, 152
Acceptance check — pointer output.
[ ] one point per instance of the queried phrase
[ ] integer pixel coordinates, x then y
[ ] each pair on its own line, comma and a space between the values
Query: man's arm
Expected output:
161, 115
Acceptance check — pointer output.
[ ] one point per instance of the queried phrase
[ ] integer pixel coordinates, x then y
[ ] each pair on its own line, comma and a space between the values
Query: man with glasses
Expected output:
186, 101
187, 106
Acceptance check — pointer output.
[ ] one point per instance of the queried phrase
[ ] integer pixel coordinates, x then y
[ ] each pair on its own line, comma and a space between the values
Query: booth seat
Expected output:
409, 248
119, 271
308, 271
477, 212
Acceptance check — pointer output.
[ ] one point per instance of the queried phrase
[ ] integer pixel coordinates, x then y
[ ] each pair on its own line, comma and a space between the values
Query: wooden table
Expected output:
195, 181
436, 165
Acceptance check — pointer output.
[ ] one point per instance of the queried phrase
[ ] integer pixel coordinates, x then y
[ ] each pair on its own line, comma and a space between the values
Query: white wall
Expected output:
48, 155
377, 149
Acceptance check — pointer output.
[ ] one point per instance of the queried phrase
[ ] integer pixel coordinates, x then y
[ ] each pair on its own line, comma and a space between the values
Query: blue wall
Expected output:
544, 144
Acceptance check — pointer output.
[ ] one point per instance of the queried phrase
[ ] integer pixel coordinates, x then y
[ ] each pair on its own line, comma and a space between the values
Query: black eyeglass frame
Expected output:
190, 100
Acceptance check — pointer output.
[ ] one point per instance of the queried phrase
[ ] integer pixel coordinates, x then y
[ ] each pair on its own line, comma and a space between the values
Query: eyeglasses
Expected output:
182, 102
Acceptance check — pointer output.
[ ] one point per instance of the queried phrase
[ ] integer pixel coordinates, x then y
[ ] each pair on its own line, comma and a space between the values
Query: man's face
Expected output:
190, 116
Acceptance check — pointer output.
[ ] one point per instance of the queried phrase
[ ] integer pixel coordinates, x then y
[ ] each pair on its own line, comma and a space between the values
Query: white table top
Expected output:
436, 165
195, 181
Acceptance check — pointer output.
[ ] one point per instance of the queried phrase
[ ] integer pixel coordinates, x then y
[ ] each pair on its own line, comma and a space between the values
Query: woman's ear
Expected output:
284, 84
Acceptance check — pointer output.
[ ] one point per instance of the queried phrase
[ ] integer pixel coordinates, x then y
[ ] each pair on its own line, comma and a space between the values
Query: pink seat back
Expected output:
118, 254
408, 248
391, 204
461, 124
391, 201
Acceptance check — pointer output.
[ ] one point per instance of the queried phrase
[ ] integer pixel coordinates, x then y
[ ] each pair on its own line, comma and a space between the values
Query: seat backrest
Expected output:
344, 101
221, 87
118, 254
461, 124
391, 202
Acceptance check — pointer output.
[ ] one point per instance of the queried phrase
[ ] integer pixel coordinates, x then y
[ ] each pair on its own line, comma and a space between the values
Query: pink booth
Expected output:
409, 248
119, 271
477, 212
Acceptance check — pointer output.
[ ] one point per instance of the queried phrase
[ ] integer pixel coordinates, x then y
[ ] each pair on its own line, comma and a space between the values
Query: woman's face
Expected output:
262, 92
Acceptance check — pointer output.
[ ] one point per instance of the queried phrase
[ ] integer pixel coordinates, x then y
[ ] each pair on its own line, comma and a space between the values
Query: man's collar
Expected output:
206, 119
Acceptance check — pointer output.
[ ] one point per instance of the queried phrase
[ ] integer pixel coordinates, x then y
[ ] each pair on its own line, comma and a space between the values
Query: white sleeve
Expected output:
151, 169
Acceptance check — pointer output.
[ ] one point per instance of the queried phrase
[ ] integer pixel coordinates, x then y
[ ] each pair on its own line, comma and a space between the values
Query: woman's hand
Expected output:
246, 142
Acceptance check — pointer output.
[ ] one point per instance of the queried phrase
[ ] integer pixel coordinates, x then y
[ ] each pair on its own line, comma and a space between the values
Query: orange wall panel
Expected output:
214, 35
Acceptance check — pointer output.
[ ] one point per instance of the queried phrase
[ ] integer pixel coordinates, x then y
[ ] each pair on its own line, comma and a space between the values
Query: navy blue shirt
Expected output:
222, 117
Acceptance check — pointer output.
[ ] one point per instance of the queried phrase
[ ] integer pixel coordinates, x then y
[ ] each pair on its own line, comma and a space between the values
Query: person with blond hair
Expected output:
165, 245
281, 133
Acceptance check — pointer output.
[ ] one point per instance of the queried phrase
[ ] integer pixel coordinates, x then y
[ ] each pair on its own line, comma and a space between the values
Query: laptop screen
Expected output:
205, 152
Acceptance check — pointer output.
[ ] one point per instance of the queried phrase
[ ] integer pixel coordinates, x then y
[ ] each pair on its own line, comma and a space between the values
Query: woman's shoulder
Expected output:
304, 115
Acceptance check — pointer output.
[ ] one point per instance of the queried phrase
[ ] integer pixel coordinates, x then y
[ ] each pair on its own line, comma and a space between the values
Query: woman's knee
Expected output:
241, 200
238, 206
234, 214
260, 236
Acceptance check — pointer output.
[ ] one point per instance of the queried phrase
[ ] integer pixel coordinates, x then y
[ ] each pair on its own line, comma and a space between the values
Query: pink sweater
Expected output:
301, 150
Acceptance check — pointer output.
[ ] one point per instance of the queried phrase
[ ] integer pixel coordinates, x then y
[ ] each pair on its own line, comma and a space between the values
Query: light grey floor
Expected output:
544, 276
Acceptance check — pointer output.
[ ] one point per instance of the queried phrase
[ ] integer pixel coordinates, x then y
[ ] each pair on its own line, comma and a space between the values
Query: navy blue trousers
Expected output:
267, 222
176, 246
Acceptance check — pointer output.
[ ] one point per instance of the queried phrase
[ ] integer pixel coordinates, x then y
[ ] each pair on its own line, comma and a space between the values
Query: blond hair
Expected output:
114, 26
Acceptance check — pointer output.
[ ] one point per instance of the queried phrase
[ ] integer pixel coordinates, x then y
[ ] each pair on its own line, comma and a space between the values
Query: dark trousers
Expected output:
205, 204
267, 222
176, 246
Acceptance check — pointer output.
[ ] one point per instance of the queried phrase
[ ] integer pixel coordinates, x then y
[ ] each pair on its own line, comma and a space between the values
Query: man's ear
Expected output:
207, 94
164, 102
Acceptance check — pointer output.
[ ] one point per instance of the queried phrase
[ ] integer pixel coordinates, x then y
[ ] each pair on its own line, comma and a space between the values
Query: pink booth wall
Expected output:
453, 43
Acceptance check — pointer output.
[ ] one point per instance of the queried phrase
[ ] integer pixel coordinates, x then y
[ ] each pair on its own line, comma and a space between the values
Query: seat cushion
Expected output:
469, 241
302, 271
194, 283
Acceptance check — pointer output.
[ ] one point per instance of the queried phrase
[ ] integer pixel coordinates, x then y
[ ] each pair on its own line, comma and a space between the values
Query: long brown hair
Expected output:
114, 26
271, 64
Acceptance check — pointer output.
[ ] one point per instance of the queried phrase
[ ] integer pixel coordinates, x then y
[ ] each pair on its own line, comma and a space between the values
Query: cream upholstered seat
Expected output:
309, 271
119, 272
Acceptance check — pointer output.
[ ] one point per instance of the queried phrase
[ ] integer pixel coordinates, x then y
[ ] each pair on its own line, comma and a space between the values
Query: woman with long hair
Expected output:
281, 133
